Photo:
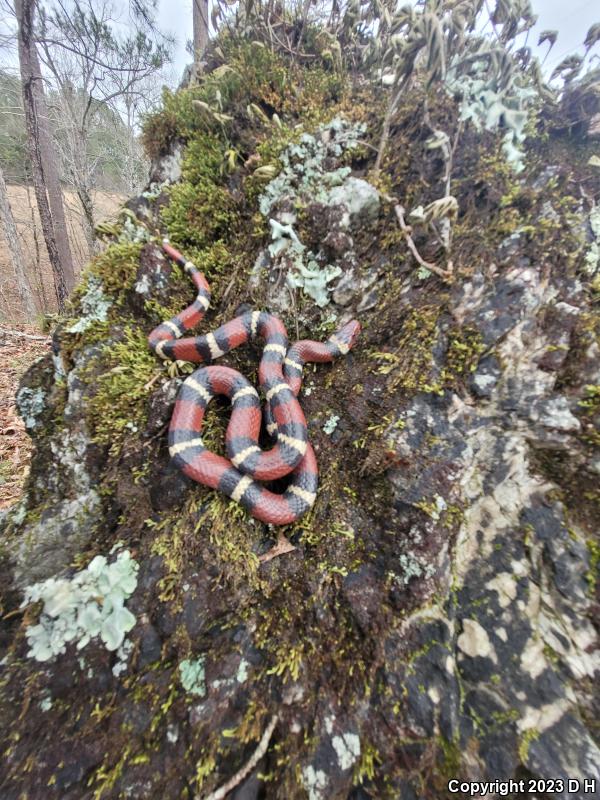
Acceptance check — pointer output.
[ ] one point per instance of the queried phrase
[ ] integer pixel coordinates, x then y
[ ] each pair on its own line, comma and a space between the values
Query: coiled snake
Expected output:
280, 377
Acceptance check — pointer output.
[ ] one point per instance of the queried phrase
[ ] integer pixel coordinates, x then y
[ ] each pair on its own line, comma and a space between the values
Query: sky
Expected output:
572, 19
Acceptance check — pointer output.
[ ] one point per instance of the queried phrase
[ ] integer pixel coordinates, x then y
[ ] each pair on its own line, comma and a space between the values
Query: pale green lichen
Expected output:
133, 233
347, 749
485, 103
304, 173
46, 703
310, 276
592, 257
94, 306
313, 279
412, 567
30, 404
331, 424
315, 782
242, 673
81, 608
192, 676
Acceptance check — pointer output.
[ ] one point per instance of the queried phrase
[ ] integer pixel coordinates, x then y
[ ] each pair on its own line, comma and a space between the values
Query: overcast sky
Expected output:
572, 18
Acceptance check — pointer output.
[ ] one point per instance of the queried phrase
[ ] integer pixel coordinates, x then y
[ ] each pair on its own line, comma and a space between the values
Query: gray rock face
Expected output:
520, 619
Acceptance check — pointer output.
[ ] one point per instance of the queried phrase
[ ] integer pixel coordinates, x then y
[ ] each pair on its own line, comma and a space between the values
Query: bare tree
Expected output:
14, 248
98, 75
200, 22
42, 156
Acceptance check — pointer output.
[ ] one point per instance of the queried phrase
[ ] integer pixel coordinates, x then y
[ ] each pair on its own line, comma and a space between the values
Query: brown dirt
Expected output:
16, 353
22, 201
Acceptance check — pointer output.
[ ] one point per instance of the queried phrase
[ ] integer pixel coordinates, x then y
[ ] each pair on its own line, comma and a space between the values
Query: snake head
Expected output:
349, 333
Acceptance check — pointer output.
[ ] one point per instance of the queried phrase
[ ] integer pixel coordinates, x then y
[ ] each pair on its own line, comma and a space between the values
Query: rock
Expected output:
152, 280
359, 197
474, 640
483, 381
169, 488
567, 751
362, 590
168, 167
345, 289
63, 530
555, 413
150, 646
161, 405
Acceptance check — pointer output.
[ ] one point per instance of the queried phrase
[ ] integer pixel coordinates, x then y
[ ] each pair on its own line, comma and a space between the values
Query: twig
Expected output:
387, 121
223, 791
406, 230
295, 309
450, 162
10, 332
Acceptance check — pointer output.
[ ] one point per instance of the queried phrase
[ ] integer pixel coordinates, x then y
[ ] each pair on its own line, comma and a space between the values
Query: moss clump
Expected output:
198, 213
118, 405
529, 736
465, 347
409, 365
117, 268
592, 575
203, 159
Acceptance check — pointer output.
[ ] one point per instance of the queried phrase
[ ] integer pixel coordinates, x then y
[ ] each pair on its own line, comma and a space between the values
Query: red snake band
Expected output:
280, 379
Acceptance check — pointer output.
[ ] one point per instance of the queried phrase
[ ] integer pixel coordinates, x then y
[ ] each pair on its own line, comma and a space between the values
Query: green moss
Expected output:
367, 765
529, 736
117, 407
203, 159
465, 347
198, 214
408, 366
117, 268
592, 575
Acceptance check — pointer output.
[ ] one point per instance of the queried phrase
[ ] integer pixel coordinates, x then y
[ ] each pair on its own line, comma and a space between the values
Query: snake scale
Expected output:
280, 378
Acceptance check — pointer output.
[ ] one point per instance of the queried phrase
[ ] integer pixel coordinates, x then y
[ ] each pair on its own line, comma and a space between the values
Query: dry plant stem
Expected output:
450, 162
385, 133
400, 211
223, 791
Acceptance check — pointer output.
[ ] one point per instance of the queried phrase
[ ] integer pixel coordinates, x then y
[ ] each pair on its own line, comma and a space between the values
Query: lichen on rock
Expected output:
77, 609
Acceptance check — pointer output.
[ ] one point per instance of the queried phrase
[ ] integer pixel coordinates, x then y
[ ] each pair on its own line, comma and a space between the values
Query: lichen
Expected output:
90, 604
31, 404
487, 105
592, 256
192, 676
94, 306
331, 424
305, 172
347, 749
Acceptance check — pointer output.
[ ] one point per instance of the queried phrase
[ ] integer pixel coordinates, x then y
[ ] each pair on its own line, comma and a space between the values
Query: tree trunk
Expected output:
88, 218
200, 20
14, 248
43, 158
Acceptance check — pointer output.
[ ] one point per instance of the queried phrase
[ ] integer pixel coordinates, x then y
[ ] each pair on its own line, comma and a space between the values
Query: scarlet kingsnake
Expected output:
280, 377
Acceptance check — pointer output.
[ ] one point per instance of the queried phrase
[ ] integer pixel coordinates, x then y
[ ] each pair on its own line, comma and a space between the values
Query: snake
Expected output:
241, 475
